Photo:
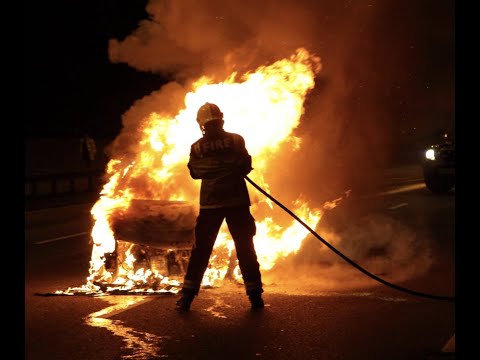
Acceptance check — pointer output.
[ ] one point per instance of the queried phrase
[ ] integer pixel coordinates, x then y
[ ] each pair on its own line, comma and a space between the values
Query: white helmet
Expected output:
207, 112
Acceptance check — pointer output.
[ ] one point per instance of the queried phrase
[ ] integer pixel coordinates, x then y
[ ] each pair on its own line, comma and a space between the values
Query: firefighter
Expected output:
221, 161
88, 149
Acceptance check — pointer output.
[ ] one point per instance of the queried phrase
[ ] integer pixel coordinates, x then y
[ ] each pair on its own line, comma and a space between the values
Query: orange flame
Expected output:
265, 107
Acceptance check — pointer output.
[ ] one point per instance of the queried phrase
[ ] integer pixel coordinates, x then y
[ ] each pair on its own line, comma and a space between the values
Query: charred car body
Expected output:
158, 234
439, 167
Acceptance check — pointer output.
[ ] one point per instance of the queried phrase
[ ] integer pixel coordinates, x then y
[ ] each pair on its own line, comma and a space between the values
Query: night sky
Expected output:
400, 60
69, 83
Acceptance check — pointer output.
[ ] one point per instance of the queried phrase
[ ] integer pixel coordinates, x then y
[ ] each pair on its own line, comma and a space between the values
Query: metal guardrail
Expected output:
51, 184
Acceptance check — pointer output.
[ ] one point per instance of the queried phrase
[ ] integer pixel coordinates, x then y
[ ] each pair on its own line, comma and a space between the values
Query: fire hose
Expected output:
344, 257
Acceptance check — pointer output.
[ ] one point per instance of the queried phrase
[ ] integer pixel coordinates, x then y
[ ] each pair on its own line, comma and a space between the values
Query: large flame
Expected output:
265, 107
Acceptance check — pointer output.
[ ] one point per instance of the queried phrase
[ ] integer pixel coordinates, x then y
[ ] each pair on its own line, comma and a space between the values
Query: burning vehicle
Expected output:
439, 167
158, 235
140, 244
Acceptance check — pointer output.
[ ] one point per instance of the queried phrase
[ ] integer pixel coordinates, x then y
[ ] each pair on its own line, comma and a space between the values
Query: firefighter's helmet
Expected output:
207, 112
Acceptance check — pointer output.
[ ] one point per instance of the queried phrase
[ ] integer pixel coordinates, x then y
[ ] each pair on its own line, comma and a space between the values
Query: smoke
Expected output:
379, 244
385, 64
188, 39
376, 76
191, 38
164, 101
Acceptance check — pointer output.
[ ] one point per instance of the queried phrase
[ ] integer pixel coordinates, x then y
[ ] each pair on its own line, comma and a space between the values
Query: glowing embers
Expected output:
156, 238
142, 269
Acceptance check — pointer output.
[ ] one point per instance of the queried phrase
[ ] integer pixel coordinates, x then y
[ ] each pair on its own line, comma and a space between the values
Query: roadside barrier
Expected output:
54, 184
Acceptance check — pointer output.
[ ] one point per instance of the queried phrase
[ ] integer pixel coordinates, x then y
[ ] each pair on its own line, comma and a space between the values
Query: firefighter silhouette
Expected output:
88, 150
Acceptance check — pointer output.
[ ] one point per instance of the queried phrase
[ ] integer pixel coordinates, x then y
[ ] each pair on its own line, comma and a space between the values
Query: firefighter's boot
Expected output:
256, 301
183, 304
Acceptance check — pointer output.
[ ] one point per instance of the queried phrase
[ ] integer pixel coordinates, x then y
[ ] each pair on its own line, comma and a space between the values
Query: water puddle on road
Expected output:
215, 308
138, 345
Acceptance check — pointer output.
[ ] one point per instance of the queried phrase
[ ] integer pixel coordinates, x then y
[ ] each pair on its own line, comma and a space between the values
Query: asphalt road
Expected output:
318, 306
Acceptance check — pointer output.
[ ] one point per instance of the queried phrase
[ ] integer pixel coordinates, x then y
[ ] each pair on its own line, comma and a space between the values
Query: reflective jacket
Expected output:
89, 148
221, 161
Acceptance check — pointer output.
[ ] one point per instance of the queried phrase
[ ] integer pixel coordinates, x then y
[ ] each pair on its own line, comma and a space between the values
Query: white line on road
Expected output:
29, 212
403, 189
397, 206
61, 238
406, 179
450, 345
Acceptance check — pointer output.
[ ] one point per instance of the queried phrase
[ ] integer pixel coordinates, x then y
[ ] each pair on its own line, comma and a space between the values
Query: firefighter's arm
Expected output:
194, 173
243, 165
244, 161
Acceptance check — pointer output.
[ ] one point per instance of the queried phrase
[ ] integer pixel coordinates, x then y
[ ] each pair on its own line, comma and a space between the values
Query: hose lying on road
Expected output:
351, 262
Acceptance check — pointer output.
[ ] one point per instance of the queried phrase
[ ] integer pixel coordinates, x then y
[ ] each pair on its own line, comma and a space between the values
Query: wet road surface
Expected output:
318, 307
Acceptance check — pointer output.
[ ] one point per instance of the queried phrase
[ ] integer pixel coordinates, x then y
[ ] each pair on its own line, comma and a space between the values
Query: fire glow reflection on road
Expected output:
139, 345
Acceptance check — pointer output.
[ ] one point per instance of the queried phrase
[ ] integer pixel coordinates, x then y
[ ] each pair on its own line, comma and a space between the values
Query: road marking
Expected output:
29, 212
61, 238
405, 180
119, 307
375, 296
397, 206
450, 345
403, 189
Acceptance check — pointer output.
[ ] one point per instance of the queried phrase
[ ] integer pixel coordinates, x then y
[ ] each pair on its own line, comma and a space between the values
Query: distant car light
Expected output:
438, 167
430, 154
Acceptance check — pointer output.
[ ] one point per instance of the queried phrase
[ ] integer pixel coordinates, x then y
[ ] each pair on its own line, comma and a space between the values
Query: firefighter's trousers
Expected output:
241, 225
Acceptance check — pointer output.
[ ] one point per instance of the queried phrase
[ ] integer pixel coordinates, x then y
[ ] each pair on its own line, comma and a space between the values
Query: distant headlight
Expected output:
430, 154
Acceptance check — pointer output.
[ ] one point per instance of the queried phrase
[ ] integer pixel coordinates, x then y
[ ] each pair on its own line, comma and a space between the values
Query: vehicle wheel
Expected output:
438, 185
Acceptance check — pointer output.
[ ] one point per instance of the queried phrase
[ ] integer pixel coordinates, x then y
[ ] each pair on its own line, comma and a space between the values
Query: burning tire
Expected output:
153, 235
